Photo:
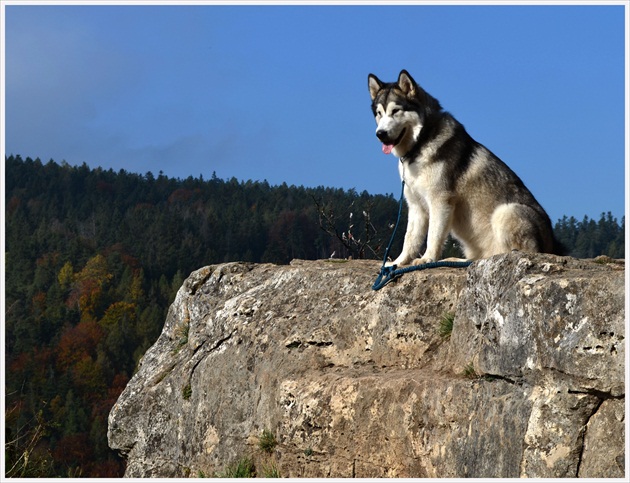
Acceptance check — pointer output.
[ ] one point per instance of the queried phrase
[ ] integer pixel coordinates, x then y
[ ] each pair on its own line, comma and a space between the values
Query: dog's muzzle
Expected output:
384, 137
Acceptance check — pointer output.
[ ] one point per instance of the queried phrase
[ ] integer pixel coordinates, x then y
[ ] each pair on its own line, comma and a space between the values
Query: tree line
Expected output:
94, 258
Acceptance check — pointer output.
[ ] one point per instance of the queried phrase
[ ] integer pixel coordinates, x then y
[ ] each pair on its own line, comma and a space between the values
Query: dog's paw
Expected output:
399, 262
422, 261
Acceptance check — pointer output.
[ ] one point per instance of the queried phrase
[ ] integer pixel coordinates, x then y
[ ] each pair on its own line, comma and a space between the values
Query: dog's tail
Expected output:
559, 248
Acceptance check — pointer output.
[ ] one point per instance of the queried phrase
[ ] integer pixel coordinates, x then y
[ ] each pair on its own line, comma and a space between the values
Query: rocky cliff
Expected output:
357, 383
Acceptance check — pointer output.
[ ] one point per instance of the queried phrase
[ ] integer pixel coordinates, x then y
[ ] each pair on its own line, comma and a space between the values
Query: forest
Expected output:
93, 258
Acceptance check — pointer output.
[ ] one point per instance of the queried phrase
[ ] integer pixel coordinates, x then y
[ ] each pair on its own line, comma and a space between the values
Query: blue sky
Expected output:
280, 92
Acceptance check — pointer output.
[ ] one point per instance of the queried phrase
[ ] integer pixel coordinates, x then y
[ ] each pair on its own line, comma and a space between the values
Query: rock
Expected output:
603, 455
357, 383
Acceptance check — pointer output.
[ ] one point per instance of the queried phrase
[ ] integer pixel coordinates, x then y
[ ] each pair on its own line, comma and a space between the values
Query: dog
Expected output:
452, 183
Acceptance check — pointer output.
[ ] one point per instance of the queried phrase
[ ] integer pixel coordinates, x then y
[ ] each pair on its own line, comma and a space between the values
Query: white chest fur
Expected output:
423, 180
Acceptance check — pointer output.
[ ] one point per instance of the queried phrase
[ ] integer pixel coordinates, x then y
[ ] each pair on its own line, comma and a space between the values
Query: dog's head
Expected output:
400, 109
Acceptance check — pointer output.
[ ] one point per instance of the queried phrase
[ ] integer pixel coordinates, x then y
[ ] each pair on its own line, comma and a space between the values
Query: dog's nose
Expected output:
381, 134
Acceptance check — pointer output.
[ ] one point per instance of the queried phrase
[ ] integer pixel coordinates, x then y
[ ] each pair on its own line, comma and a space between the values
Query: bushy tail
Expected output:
559, 248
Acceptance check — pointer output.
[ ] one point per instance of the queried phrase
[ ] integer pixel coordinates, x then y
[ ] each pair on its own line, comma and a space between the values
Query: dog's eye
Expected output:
395, 111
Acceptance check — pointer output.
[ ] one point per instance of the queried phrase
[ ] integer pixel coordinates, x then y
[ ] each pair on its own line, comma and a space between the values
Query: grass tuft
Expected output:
270, 470
267, 441
469, 371
181, 334
446, 325
187, 391
241, 468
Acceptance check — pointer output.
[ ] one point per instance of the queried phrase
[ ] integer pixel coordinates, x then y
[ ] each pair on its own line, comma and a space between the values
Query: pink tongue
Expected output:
387, 148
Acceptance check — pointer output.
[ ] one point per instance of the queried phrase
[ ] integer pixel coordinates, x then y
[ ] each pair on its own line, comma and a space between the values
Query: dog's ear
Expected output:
374, 85
406, 83
412, 90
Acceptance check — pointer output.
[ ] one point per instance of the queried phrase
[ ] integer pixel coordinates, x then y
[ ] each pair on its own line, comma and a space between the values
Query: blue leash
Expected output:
387, 274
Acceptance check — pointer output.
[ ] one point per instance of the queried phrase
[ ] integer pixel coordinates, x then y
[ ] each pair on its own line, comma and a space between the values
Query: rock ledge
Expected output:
357, 383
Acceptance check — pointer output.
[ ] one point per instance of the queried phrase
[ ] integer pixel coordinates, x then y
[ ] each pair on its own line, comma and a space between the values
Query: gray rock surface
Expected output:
357, 383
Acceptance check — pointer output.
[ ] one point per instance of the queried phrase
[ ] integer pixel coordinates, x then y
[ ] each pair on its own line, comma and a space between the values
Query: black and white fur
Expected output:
453, 184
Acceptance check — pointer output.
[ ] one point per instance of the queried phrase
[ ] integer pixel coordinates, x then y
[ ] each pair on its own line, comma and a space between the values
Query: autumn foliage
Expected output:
75, 377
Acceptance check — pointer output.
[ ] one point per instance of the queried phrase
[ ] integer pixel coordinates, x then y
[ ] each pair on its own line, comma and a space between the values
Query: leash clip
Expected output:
388, 273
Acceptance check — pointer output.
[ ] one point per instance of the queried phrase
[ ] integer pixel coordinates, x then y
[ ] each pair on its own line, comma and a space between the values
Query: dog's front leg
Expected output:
417, 223
440, 215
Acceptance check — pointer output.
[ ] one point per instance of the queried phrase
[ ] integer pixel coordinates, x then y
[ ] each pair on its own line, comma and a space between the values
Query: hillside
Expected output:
95, 257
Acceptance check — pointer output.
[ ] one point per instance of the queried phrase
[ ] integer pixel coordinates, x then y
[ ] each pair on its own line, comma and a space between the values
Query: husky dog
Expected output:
453, 184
